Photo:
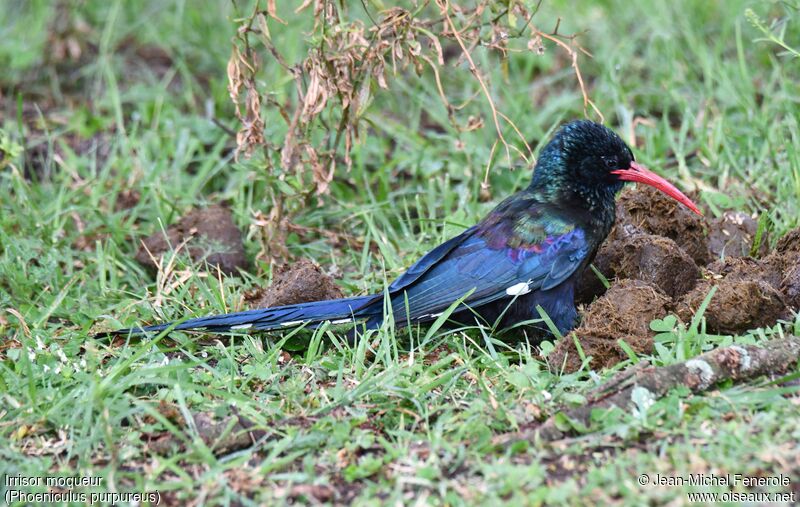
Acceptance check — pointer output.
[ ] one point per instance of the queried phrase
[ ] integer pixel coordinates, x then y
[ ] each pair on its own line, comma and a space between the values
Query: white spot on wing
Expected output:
241, 326
518, 289
292, 323
429, 316
340, 321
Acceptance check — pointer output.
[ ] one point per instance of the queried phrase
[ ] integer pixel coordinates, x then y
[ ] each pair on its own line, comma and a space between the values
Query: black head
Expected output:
586, 164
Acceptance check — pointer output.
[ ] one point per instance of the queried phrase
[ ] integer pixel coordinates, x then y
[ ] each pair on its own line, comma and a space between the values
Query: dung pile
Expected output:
648, 210
207, 234
624, 312
732, 234
737, 305
300, 282
651, 258
675, 258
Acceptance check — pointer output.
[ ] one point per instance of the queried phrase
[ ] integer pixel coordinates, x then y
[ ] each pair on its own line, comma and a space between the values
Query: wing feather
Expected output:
490, 273
521, 246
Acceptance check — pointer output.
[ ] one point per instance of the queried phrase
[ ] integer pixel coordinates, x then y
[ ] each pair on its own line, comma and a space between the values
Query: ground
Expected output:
116, 124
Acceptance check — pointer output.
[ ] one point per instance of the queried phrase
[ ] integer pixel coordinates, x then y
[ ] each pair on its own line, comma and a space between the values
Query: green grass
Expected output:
395, 418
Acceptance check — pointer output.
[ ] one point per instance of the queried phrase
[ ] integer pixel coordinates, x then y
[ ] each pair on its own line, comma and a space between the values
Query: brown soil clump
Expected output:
786, 260
653, 259
301, 282
750, 293
790, 286
624, 312
737, 306
782, 272
790, 243
780, 269
127, 199
659, 261
737, 268
209, 235
746, 268
646, 212
655, 213
732, 235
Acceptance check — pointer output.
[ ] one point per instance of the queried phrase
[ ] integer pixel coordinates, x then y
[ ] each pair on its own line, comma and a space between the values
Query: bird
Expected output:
523, 258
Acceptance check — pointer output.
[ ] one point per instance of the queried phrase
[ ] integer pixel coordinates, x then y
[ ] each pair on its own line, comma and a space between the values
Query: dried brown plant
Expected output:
348, 60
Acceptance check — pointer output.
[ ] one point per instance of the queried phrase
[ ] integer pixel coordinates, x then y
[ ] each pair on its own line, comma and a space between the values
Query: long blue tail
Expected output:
339, 311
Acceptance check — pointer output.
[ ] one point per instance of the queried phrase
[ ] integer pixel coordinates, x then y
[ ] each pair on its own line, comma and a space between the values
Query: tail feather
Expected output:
346, 309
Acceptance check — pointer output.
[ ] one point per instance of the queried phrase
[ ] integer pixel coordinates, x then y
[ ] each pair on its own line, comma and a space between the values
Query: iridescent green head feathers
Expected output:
586, 164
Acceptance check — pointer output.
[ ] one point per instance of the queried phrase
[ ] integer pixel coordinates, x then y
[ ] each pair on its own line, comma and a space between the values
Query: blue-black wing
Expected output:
428, 261
520, 247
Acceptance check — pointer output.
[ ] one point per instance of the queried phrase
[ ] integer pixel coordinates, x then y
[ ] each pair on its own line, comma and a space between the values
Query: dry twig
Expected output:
347, 64
736, 362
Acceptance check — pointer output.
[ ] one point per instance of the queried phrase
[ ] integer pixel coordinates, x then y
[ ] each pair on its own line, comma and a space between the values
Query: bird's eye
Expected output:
610, 162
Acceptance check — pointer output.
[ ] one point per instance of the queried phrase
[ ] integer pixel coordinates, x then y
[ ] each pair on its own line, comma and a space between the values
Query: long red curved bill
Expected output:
640, 174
